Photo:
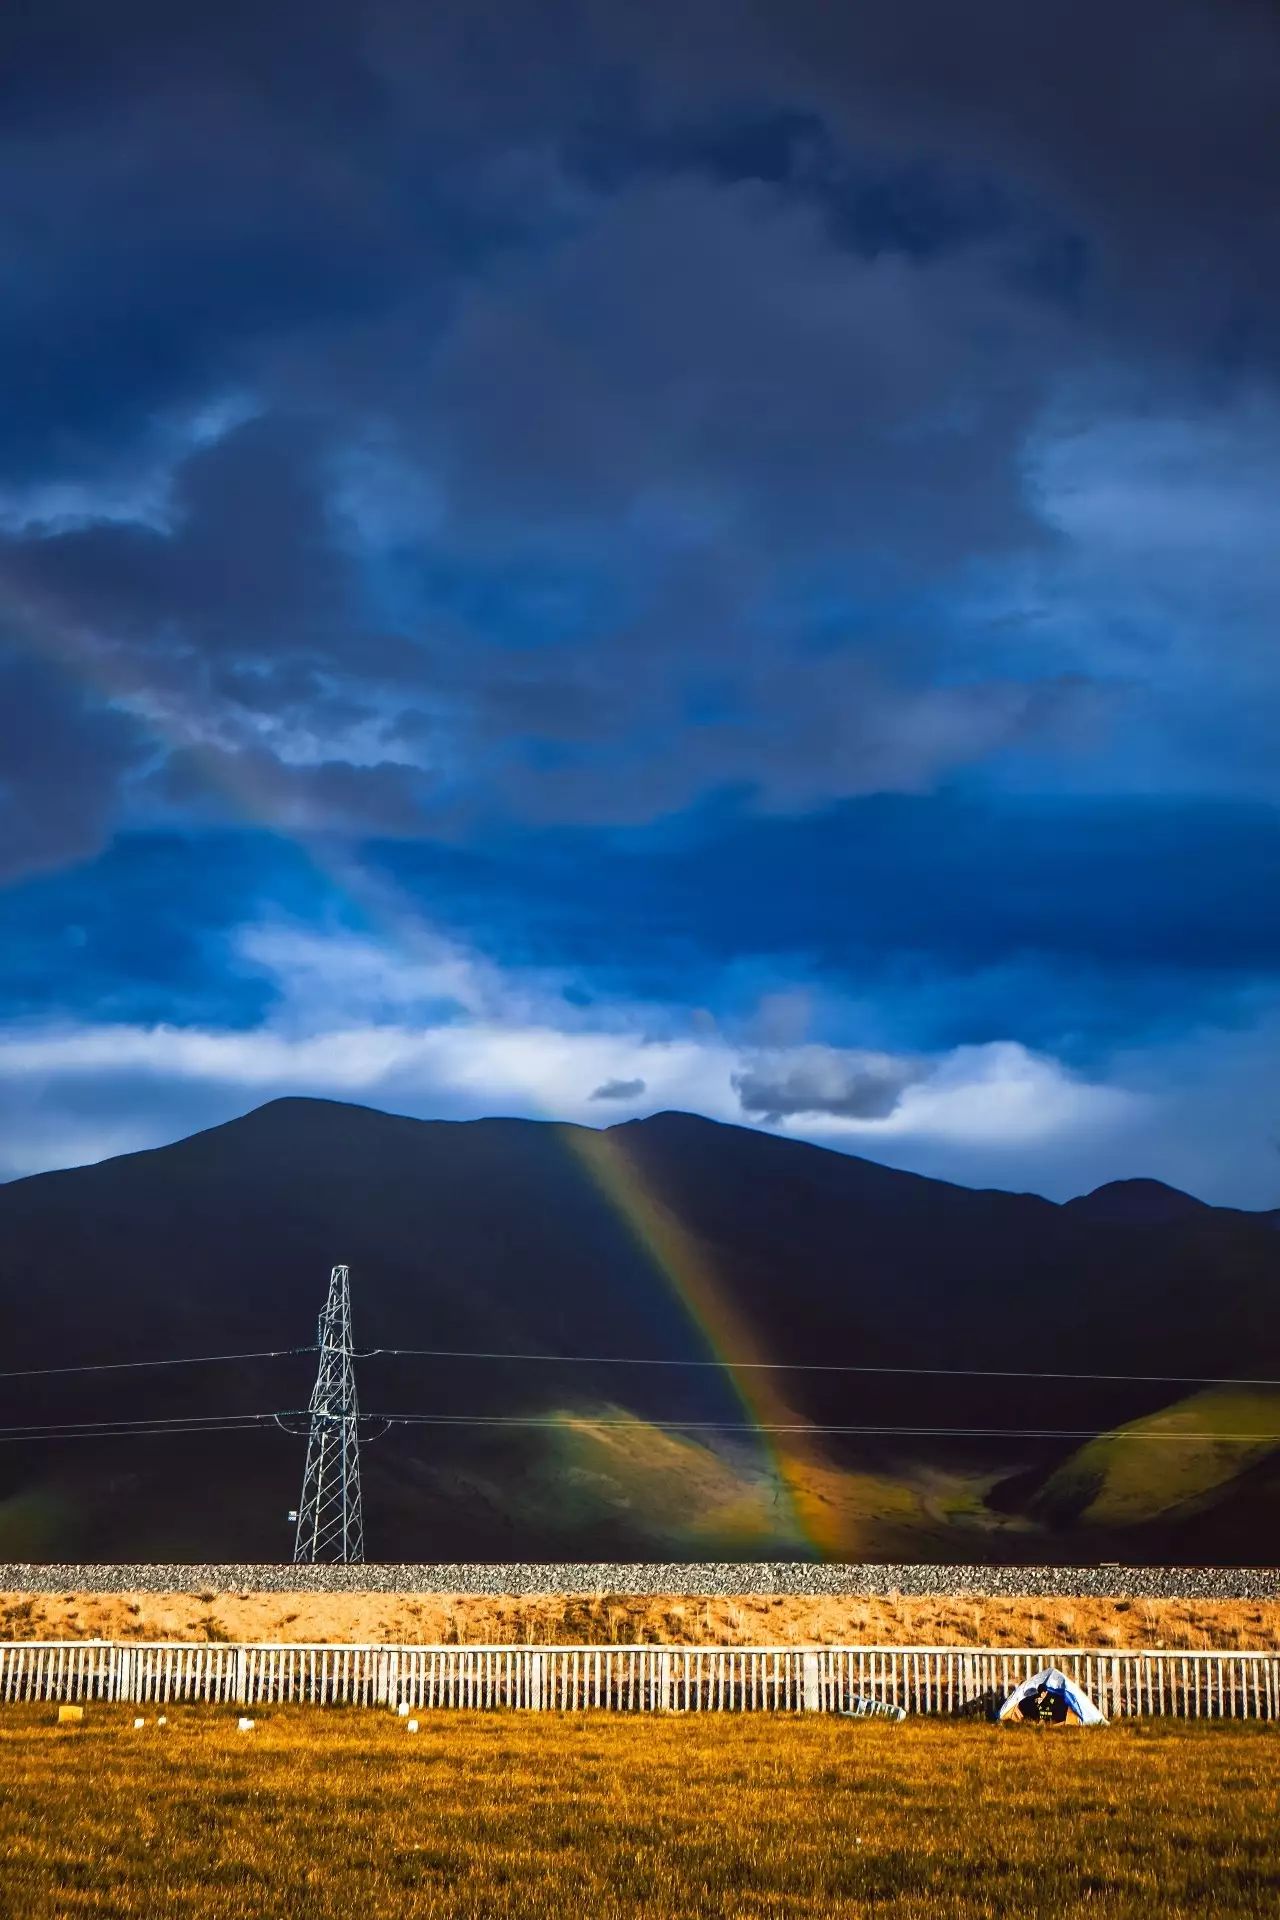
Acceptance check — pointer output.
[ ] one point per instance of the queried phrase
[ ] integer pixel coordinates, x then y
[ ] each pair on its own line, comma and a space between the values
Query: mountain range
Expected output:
669, 1338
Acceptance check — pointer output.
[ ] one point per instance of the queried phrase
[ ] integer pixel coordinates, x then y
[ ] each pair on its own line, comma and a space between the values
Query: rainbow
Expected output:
795, 1464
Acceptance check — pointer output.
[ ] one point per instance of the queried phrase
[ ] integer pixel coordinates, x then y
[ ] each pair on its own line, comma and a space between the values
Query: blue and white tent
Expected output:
1051, 1698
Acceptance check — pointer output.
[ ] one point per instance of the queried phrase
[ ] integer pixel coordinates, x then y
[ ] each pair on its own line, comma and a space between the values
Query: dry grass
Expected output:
756, 1619
488, 1817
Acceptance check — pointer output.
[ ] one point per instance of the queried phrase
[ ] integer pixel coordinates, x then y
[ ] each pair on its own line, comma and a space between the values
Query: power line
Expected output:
815, 1427
131, 1428
134, 1420
124, 1366
178, 1425
820, 1366
640, 1360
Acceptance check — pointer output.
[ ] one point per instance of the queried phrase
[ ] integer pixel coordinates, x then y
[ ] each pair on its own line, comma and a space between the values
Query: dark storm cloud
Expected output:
192, 183
819, 1080
1079, 929
224, 630
708, 350
240, 618
803, 734
729, 312
619, 1090
1074, 923
1121, 884
247, 561
63, 760
224, 176
1143, 132
208, 193
325, 797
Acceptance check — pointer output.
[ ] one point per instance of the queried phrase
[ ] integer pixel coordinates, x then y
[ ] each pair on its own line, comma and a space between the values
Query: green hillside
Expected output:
1171, 1461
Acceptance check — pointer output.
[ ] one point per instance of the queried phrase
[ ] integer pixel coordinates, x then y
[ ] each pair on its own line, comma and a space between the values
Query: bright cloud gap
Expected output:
449, 1034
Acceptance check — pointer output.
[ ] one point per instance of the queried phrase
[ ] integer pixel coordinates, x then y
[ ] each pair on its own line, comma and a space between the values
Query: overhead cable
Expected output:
646, 1360
818, 1366
174, 1426
125, 1366
816, 1427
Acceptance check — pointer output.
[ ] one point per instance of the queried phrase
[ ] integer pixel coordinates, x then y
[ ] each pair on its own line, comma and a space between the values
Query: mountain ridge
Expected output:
671, 1238
1139, 1186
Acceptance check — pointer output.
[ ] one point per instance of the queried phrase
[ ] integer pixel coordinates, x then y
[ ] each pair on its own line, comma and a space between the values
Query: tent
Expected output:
1049, 1698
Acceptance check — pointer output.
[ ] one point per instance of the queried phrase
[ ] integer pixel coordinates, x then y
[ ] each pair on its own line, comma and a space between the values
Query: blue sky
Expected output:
578, 560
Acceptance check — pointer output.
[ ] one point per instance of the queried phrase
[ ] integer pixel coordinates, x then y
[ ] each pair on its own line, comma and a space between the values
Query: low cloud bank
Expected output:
443, 1032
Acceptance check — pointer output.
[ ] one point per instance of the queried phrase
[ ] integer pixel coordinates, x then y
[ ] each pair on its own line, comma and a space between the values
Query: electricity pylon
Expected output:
330, 1519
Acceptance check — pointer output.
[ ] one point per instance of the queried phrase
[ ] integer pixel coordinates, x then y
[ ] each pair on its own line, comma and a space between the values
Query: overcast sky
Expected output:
572, 560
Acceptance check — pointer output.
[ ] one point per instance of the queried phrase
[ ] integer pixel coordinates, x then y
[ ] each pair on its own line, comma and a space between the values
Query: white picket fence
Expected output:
632, 1679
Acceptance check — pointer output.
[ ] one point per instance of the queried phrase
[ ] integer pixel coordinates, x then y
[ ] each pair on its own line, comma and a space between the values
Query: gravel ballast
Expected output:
705, 1580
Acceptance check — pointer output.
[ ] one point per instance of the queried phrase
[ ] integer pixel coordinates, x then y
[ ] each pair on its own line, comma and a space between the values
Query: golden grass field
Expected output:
343, 1815
762, 1620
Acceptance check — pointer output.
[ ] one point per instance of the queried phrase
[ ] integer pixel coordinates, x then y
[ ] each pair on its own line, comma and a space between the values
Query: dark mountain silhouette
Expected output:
668, 1238
1141, 1203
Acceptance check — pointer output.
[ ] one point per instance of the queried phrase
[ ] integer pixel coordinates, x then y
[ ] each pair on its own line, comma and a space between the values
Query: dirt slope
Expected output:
757, 1619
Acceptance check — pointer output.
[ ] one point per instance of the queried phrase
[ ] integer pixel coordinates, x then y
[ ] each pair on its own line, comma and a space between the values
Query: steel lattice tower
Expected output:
330, 1518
